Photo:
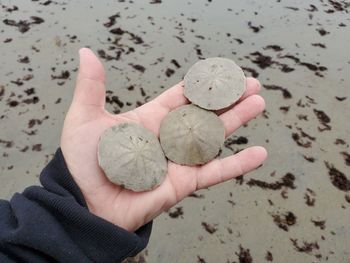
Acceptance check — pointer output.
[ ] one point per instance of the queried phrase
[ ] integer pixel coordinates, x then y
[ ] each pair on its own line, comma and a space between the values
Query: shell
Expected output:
214, 83
132, 157
190, 135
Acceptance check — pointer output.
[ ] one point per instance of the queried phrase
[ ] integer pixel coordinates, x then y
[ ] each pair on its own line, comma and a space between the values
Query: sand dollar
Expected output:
214, 83
190, 135
132, 157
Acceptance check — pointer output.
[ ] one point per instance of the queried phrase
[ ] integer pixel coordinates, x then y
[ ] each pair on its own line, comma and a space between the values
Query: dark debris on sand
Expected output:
302, 138
210, 228
265, 61
178, 212
347, 198
8, 8
195, 195
200, 259
273, 47
319, 223
112, 20
2, 91
319, 45
255, 29
175, 63
235, 141
322, 31
269, 256
64, 75
251, 71
338, 179
7, 144
309, 158
306, 247
261, 60
24, 60
346, 157
36, 147
24, 25
313, 67
169, 72
340, 98
287, 181
285, 92
284, 221
139, 68
310, 197
121, 41
324, 120
244, 255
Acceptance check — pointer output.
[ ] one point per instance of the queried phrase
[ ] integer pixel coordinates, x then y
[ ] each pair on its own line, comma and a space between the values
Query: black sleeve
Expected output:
53, 224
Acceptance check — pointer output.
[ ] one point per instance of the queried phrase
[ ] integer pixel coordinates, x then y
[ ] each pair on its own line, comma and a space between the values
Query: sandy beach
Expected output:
295, 208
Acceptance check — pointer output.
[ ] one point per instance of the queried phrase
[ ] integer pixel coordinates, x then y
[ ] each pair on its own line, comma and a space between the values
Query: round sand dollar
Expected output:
214, 83
132, 157
190, 135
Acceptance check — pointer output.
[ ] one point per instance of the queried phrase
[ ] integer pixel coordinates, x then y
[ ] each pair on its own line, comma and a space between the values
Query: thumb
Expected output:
90, 85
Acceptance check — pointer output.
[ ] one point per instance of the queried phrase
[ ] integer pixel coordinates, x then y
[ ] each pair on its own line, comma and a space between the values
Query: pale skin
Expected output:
87, 119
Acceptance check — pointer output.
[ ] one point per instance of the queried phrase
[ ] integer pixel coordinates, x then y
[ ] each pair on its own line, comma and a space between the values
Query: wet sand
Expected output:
295, 208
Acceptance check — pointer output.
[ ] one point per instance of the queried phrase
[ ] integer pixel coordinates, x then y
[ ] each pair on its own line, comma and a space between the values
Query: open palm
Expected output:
87, 119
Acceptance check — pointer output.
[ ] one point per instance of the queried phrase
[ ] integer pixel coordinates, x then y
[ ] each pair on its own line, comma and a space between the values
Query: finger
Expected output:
253, 86
220, 170
171, 98
152, 113
242, 113
90, 87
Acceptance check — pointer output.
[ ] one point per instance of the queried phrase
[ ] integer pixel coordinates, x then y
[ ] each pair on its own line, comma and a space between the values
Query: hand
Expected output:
87, 119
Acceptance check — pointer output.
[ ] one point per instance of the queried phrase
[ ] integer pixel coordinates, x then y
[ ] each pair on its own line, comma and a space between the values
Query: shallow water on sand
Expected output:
295, 208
